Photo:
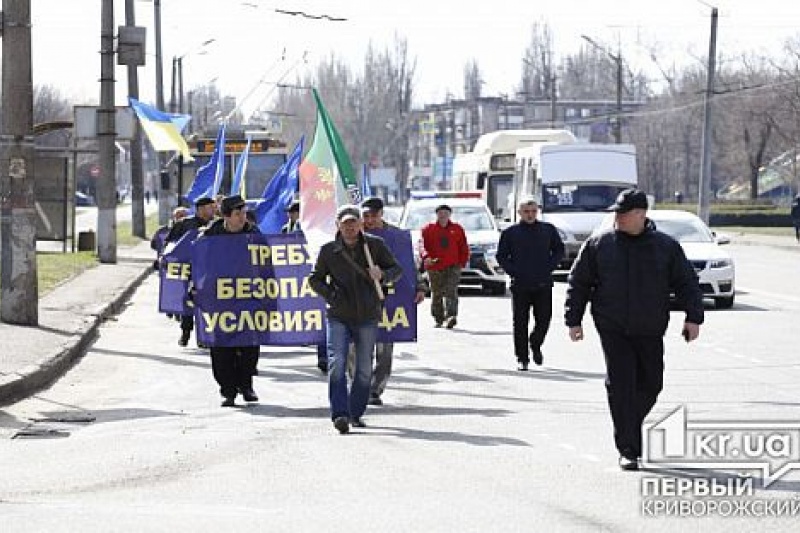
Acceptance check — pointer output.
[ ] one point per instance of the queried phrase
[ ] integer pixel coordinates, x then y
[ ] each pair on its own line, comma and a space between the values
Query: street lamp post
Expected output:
617, 59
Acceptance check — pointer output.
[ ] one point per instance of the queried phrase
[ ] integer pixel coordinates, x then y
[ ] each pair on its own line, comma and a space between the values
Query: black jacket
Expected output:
218, 228
184, 226
529, 253
629, 280
347, 288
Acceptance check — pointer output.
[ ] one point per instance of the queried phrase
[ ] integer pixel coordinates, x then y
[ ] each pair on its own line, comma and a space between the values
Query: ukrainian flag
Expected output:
160, 129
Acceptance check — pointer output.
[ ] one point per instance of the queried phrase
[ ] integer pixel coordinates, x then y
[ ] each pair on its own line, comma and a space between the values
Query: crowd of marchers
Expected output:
632, 274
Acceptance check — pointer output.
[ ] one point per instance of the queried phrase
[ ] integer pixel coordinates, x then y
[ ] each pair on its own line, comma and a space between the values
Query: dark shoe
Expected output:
249, 395
375, 400
229, 402
201, 346
341, 424
357, 423
450, 323
538, 358
626, 463
184, 340
438, 324
522, 366
323, 367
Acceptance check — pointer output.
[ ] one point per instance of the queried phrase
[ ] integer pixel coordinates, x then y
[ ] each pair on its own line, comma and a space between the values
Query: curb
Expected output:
35, 378
755, 242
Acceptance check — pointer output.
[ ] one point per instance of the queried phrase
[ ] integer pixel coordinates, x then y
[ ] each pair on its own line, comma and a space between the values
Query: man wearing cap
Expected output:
233, 366
204, 209
343, 276
445, 252
293, 224
529, 251
628, 274
372, 212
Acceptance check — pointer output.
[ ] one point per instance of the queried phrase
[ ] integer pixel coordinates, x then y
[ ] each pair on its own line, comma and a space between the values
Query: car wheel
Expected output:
724, 302
495, 289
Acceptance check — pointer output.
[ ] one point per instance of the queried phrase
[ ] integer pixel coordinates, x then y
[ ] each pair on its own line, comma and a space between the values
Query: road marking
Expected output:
590, 457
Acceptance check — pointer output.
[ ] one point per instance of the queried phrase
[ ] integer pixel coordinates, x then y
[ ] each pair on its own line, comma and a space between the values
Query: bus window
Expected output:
482, 181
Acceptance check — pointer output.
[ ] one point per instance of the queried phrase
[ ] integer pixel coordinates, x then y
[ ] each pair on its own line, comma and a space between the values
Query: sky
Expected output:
254, 46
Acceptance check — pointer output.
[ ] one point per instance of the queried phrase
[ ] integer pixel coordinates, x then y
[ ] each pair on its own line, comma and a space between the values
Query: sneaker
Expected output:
341, 424
450, 323
538, 358
375, 400
438, 324
626, 463
323, 367
357, 423
229, 402
249, 395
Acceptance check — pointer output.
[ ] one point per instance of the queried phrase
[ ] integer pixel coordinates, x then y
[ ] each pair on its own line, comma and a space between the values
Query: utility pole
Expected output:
107, 136
164, 191
616, 127
705, 157
553, 101
137, 176
19, 298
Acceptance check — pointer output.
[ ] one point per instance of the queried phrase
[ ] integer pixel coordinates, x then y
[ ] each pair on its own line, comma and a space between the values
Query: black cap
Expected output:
294, 207
230, 203
372, 203
628, 200
205, 200
348, 212
445, 207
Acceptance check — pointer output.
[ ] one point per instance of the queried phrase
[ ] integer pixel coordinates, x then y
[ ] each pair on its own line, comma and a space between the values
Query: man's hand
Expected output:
690, 331
429, 261
375, 273
419, 297
576, 333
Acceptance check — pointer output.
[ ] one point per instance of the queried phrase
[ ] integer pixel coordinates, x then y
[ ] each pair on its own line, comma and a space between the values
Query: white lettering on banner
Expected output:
262, 320
278, 254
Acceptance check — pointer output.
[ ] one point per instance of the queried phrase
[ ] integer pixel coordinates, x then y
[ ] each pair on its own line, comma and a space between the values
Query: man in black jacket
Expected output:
204, 209
233, 366
346, 278
529, 251
629, 273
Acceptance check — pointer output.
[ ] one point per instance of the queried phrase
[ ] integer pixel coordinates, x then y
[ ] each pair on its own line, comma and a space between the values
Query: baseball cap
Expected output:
628, 200
373, 203
445, 207
230, 203
348, 212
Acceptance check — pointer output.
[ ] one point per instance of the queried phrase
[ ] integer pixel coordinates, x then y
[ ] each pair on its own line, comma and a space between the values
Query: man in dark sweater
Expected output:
529, 251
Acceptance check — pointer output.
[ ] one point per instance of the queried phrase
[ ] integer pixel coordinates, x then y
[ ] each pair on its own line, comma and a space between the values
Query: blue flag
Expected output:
209, 177
279, 193
237, 186
366, 182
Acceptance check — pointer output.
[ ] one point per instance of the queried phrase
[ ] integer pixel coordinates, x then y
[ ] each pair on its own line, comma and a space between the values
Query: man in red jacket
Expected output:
445, 252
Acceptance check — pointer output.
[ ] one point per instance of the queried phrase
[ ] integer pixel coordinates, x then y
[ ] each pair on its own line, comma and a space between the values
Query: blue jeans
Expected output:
340, 335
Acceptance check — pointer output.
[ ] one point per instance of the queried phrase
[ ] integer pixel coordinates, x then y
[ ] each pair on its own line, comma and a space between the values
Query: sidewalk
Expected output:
31, 358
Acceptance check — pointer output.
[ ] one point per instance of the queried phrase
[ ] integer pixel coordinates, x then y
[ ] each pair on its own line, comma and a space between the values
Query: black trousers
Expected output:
522, 300
233, 368
187, 324
634, 378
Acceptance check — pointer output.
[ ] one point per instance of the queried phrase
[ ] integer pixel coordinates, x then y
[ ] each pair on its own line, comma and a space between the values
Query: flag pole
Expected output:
371, 264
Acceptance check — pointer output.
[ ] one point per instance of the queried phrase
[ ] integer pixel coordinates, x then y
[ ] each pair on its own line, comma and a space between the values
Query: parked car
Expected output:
83, 200
714, 266
483, 234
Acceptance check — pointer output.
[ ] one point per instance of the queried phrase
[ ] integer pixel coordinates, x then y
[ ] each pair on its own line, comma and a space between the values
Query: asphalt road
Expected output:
464, 442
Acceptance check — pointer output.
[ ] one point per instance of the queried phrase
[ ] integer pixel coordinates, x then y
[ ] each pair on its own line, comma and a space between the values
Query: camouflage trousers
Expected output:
444, 292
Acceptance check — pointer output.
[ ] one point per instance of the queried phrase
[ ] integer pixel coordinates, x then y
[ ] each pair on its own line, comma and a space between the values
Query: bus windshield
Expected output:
579, 197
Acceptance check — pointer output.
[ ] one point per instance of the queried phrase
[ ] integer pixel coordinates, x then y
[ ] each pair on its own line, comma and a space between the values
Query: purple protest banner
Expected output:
174, 275
252, 289
399, 323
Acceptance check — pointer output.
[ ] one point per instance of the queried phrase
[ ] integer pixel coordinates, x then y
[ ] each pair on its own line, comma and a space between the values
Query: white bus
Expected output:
489, 167
575, 184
